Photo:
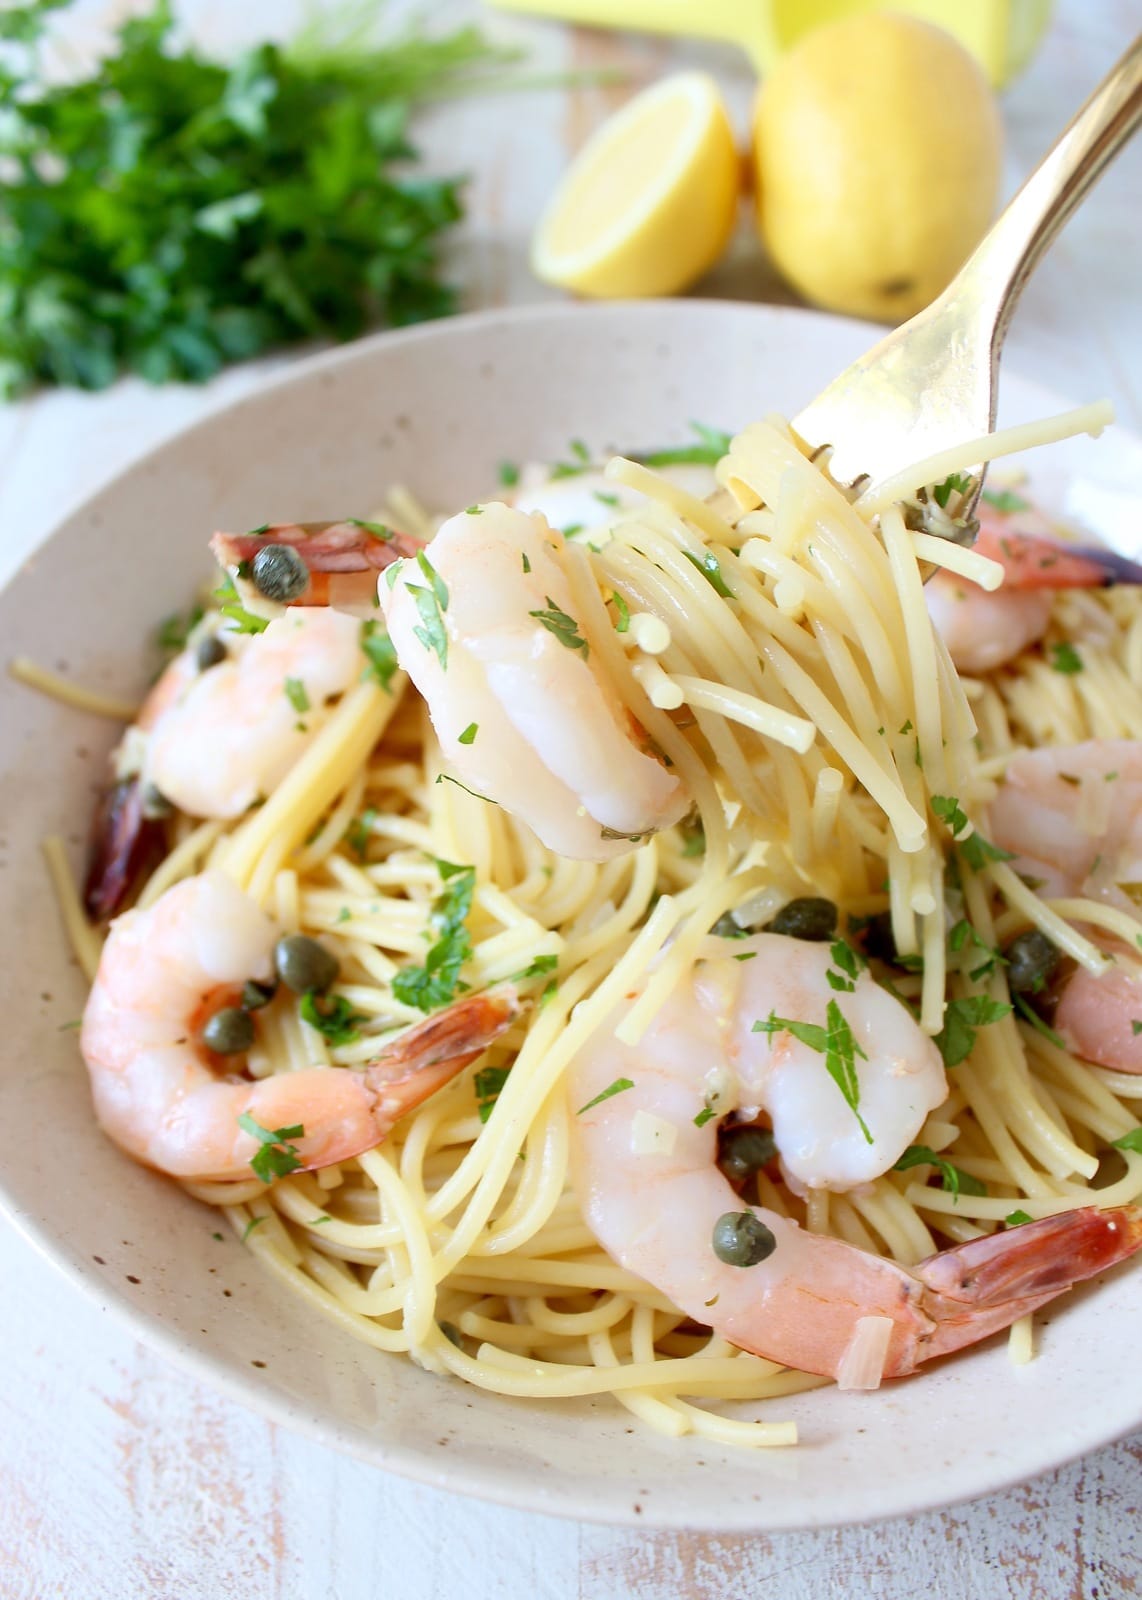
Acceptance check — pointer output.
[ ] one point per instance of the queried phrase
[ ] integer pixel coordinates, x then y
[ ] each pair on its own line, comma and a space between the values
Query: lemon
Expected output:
648, 204
877, 146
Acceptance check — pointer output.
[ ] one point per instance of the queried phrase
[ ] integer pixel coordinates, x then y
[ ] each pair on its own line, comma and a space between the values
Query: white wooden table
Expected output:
120, 1477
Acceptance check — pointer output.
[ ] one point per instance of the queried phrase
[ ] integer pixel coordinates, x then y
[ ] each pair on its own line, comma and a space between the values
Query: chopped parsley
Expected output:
571, 469
1032, 1016
173, 631
231, 607
961, 933
295, 693
565, 628
1016, 1219
1135, 1027
469, 734
617, 1087
849, 962
538, 968
509, 474
956, 482
710, 568
836, 1043
276, 1157
526, 563
962, 1019
488, 1083
604, 498
695, 844
380, 652
713, 445
1130, 1141
431, 603
376, 530
360, 831
707, 1114
1006, 500
1065, 658
975, 849
254, 1222
952, 1178
332, 1016
623, 624
438, 981
474, 511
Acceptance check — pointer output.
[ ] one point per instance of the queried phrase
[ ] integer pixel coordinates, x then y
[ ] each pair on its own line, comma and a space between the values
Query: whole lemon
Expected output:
877, 144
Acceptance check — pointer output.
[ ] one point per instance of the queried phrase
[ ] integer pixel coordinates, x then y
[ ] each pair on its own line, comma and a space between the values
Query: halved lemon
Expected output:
650, 201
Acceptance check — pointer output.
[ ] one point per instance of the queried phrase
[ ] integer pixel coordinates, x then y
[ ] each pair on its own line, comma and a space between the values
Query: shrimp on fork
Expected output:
644, 1156
172, 1103
519, 701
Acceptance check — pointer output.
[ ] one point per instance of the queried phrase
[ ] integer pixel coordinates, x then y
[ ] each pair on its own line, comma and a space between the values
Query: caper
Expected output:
303, 964
229, 1031
807, 918
210, 652
743, 1150
742, 1240
877, 937
1031, 962
279, 572
257, 995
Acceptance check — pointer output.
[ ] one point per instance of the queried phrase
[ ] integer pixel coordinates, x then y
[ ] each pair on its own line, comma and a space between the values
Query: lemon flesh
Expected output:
877, 145
650, 201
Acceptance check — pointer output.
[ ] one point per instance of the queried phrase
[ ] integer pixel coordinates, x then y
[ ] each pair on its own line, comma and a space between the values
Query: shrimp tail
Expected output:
430, 1055
343, 558
987, 1284
1032, 562
123, 838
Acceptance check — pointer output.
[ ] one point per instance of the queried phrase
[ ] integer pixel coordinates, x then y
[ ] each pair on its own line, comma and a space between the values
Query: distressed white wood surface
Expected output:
120, 1477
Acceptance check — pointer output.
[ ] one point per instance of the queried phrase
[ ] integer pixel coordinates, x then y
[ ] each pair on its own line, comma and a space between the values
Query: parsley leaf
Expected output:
380, 652
1036, 1021
509, 474
849, 961
1130, 1141
295, 693
623, 624
1016, 1219
469, 734
438, 981
565, 628
431, 603
836, 1043
617, 1087
277, 1157
360, 831
332, 1016
1065, 658
956, 482
975, 849
378, 530
962, 1018
952, 1178
714, 444
1006, 500
175, 630
488, 1083
710, 568
201, 212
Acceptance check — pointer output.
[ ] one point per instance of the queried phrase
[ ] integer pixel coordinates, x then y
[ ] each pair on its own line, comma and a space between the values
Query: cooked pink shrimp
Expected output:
484, 623
158, 1089
213, 739
1072, 817
984, 629
342, 559
652, 1194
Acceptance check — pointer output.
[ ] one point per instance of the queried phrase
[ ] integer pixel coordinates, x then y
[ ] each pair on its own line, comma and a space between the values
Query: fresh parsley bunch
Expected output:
172, 214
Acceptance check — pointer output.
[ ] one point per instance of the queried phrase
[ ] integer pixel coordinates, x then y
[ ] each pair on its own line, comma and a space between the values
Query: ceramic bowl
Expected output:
437, 408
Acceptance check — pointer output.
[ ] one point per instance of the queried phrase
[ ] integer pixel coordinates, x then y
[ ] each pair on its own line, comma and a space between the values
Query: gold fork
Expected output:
932, 382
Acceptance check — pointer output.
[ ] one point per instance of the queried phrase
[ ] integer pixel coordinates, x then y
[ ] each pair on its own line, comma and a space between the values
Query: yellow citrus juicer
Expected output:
1002, 34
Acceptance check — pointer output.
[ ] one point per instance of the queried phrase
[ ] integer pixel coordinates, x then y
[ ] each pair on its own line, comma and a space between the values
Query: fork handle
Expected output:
994, 276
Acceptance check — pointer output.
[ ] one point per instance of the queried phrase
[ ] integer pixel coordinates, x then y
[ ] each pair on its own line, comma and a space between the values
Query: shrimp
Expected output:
213, 740
984, 629
813, 1302
1072, 817
342, 559
157, 1088
484, 623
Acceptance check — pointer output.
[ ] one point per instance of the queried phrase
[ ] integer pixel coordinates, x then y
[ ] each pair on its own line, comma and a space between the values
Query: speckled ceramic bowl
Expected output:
437, 408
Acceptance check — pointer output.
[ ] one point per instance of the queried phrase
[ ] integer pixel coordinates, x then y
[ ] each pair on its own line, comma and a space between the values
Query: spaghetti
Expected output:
829, 748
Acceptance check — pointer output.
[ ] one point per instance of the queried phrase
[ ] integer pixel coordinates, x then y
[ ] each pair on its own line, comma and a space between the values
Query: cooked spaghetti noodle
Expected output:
824, 716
